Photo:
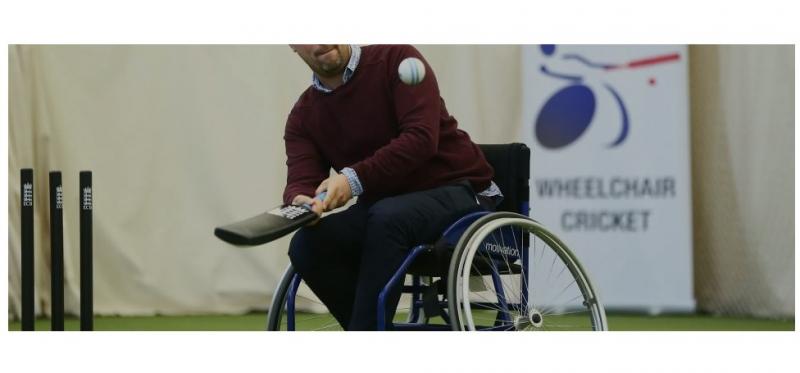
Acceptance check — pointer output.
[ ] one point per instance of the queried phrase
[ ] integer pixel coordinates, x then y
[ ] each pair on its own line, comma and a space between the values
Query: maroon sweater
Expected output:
397, 138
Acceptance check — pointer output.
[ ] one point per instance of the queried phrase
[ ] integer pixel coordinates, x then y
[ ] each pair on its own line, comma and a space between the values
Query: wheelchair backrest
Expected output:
511, 163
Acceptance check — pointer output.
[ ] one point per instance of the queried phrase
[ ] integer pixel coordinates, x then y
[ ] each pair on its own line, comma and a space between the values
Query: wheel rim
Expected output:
551, 292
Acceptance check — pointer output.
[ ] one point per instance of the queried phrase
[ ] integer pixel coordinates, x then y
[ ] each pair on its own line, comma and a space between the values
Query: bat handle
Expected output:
320, 197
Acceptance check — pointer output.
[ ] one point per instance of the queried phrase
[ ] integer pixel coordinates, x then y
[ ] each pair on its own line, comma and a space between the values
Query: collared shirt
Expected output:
355, 184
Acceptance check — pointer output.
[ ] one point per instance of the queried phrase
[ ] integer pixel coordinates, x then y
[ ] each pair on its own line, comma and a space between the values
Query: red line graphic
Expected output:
648, 61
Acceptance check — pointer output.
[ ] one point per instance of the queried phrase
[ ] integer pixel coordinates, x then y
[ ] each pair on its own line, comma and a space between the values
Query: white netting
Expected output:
743, 179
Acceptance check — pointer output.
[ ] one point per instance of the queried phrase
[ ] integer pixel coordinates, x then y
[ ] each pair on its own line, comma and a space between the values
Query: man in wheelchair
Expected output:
396, 148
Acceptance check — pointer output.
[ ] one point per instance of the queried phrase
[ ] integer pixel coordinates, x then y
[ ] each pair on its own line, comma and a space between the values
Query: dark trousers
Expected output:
348, 257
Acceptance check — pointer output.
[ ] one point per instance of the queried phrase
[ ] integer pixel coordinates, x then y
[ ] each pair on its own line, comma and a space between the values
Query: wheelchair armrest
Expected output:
454, 232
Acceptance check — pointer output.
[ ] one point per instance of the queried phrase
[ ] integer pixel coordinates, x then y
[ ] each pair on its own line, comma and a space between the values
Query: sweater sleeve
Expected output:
306, 168
418, 111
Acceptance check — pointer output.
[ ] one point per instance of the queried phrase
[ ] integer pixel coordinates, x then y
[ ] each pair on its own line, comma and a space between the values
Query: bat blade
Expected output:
263, 228
267, 227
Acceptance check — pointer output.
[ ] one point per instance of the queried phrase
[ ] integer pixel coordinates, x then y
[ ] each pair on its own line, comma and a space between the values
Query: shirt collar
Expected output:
355, 56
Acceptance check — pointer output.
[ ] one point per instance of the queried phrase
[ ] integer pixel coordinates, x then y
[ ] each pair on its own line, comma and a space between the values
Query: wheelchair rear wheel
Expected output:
509, 273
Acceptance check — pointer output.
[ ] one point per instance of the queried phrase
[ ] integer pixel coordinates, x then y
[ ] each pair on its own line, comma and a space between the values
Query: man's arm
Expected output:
418, 110
306, 167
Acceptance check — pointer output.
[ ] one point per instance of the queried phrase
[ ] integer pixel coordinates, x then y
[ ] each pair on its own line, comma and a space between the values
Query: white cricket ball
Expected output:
411, 71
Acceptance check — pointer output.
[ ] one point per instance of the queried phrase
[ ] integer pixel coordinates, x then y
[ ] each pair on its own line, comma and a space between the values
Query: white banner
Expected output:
608, 127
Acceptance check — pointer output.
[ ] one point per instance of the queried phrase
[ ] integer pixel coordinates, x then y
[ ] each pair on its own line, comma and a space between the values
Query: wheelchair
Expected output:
489, 271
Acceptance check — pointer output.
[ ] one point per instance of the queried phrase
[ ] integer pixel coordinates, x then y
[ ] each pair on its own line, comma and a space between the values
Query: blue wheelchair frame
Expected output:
450, 236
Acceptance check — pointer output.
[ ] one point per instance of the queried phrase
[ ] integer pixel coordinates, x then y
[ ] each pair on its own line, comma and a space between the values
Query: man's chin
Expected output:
330, 71
327, 66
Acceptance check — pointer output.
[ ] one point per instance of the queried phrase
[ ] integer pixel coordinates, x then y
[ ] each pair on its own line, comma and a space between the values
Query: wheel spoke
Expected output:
551, 308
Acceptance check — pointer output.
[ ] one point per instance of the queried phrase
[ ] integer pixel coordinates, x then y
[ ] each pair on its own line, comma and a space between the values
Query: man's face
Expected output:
326, 60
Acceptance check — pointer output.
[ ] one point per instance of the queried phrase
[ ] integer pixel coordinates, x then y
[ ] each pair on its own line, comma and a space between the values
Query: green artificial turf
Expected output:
257, 321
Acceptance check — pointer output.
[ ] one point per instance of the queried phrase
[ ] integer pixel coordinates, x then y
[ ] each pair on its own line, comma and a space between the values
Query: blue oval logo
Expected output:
565, 116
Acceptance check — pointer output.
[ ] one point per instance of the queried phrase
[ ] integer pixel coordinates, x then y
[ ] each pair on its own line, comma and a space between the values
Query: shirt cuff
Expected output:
352, 179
